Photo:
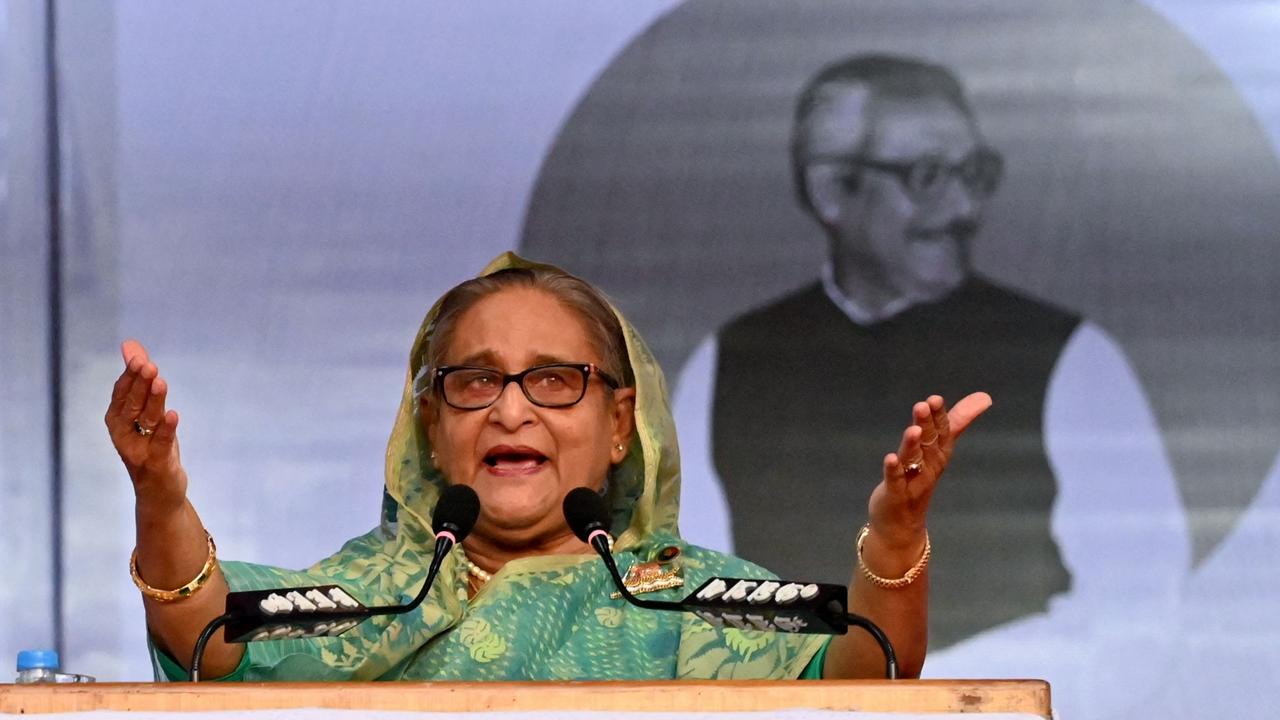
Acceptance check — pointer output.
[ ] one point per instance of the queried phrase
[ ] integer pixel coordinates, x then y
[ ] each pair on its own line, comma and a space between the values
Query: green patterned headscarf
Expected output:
644, 488
543, 617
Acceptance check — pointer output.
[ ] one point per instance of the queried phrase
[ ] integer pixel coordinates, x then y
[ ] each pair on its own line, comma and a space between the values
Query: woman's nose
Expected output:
512, 409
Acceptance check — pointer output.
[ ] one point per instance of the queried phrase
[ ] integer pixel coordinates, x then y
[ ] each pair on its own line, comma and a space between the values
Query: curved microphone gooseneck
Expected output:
886, 647
588, 517
454, 517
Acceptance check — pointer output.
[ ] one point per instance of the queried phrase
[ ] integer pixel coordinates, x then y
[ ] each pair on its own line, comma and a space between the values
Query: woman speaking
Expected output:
524, 384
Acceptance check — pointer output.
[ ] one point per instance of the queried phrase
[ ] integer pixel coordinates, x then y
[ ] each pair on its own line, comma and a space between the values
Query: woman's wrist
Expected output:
160, 507
890, 554
900, 578
898, 536
188, 589
172, 545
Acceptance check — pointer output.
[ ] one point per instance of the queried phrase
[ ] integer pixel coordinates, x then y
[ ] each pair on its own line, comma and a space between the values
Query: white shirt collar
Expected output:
858, 314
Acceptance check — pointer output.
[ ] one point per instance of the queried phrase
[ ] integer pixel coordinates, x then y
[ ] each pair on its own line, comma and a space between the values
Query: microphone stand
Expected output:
444, 543
886, 647
455, 514
599, 542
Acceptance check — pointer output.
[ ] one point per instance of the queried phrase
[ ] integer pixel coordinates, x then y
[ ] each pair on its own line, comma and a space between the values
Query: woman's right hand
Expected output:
172, 541
145, 433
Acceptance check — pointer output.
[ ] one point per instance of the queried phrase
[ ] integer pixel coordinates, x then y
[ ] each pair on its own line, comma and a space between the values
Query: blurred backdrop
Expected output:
270, 195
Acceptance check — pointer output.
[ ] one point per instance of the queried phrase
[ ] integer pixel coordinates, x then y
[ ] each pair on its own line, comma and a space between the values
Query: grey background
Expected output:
1140, 192
270, 195
26, 531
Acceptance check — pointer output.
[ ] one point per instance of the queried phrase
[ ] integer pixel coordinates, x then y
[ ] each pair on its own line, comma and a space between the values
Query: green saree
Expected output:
539, 618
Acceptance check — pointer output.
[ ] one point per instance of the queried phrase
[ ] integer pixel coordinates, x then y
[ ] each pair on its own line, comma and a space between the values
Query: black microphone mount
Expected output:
329, 610
745, 604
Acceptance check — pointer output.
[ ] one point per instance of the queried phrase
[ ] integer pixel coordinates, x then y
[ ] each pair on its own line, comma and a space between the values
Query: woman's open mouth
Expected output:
513, 460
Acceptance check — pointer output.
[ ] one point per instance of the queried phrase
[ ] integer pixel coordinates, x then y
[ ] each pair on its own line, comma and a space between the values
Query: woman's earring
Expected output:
433, 456
619, 447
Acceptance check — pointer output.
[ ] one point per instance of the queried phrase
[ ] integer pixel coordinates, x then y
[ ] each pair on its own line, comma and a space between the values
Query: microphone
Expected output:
588, 517
328, 610
746, 604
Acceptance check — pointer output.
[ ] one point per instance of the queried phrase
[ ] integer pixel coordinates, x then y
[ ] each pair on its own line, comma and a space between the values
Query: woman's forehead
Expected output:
516, 328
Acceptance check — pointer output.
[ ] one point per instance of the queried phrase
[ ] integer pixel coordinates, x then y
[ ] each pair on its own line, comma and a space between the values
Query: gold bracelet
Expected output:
896, 583
185, 591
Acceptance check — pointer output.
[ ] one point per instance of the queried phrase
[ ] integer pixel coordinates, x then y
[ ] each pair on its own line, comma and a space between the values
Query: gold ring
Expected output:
912, 469
143, 430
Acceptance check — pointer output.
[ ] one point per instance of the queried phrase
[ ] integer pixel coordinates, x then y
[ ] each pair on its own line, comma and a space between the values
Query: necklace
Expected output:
481, 576
475, 571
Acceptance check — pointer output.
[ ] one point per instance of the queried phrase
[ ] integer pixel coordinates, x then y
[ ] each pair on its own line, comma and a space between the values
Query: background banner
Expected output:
270, 195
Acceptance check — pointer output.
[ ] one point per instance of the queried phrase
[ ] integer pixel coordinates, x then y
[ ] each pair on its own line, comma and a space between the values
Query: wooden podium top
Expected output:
916, 696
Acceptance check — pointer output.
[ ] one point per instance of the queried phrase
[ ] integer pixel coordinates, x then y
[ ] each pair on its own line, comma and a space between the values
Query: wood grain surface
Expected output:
920, 696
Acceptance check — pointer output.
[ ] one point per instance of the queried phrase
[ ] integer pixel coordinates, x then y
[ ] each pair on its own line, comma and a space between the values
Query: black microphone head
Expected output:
585, 512
456, 511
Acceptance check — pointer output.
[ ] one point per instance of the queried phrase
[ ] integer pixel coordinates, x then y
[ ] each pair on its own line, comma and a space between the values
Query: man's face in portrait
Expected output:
904, 197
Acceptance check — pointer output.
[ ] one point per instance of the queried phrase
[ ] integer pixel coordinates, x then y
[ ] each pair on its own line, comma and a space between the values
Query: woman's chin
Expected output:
520, 509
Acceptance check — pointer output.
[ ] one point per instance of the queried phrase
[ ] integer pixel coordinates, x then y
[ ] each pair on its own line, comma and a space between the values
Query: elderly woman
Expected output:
524, 384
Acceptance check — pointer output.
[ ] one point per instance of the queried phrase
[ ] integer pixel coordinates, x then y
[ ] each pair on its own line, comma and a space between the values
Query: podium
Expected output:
1004, 698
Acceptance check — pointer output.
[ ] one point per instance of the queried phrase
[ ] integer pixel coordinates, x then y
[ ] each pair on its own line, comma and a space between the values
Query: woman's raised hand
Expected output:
890, 582
172, 543
145, 433
900, 502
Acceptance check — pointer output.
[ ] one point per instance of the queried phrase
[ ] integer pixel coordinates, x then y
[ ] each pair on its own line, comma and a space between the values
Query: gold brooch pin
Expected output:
662, 573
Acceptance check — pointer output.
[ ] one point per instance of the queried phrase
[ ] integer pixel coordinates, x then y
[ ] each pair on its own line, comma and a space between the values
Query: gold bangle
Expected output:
895, 583
185, 591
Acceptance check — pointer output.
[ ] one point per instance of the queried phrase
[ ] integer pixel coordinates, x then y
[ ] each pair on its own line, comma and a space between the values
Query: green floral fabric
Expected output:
539, 618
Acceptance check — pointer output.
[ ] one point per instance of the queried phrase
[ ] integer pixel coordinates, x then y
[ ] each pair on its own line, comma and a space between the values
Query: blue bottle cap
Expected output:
36, 659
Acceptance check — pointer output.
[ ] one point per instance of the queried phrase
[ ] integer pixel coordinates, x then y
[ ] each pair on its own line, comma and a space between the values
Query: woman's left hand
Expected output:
900, 502
897, 541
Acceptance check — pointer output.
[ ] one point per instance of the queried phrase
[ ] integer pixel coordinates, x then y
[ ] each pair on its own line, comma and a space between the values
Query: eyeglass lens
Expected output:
980, 173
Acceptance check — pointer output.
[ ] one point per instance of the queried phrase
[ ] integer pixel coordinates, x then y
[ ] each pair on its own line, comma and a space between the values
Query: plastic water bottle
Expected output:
37, 667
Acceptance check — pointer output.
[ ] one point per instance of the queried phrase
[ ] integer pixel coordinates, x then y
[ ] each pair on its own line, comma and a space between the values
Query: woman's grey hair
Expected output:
603, 329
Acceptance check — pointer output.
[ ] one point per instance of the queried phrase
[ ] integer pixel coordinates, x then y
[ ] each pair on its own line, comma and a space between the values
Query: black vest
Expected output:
807, 404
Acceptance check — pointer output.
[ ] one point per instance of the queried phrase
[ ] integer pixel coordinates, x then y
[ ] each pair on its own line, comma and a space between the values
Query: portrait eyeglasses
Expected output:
925, 179
556, 385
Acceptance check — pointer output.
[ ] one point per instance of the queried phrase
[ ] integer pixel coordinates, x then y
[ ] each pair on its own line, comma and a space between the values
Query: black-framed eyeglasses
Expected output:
556, 385
926, 178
